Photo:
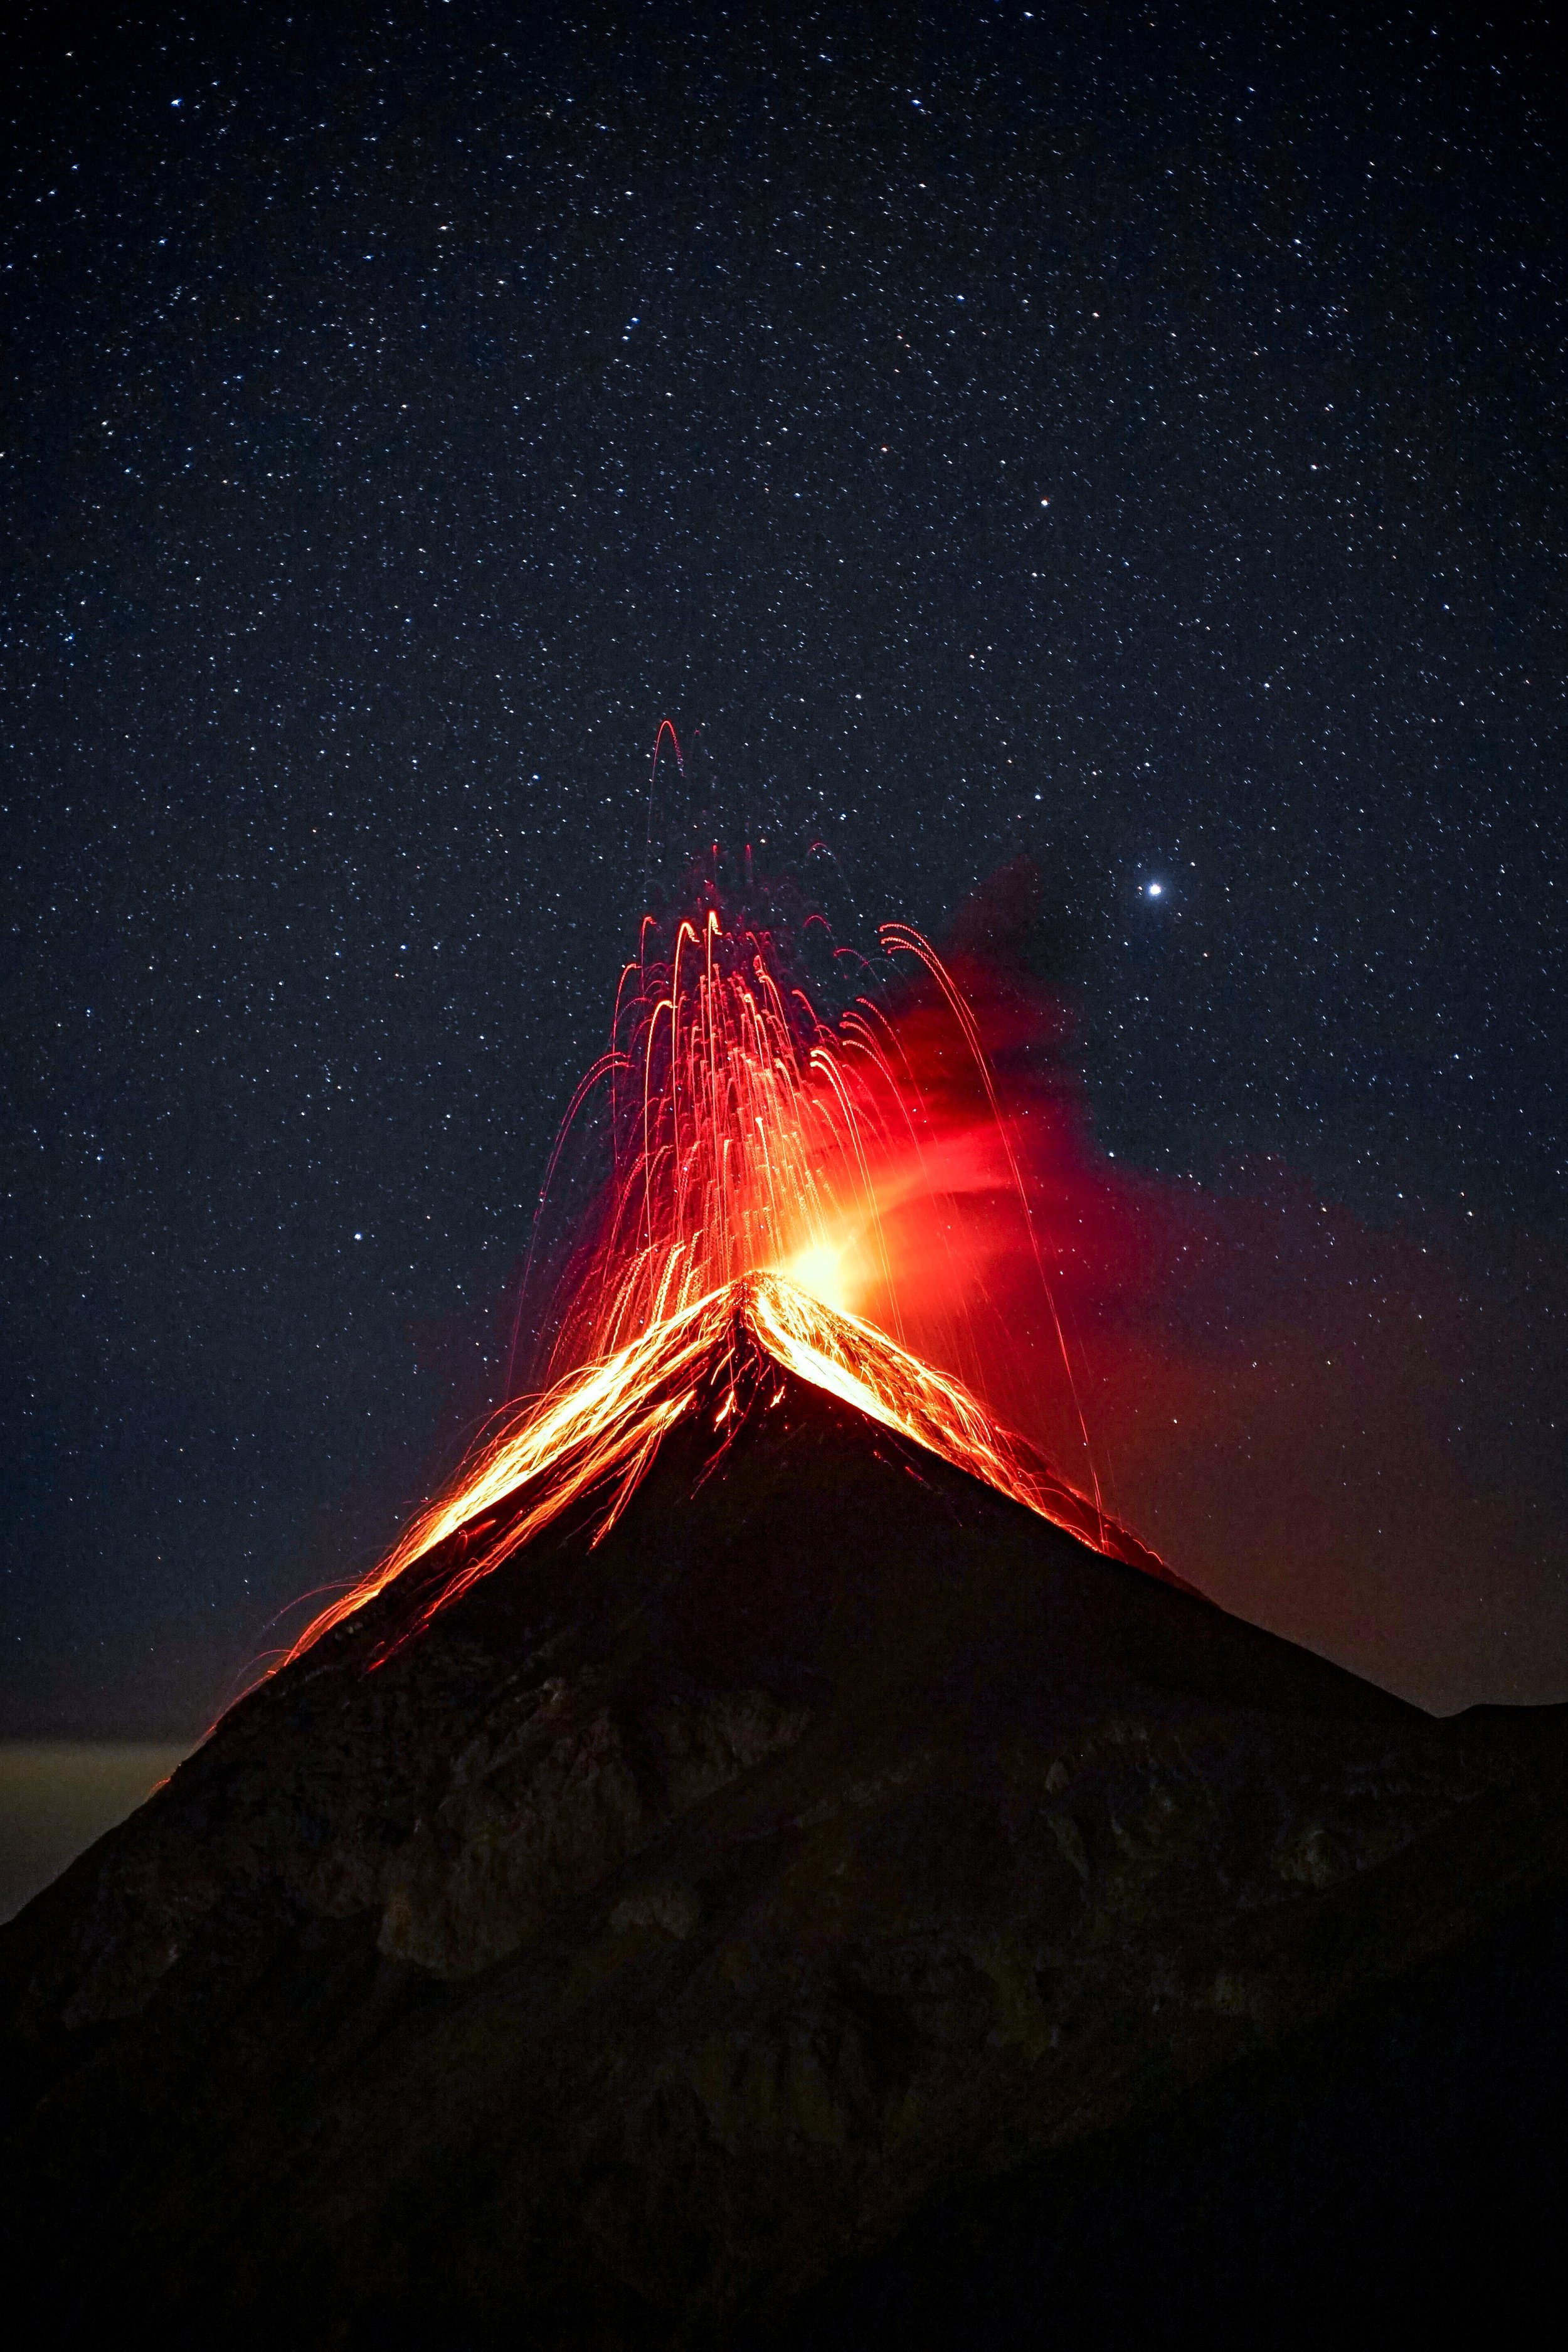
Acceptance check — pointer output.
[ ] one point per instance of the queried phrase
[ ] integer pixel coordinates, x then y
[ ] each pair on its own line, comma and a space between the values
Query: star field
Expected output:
1133, 438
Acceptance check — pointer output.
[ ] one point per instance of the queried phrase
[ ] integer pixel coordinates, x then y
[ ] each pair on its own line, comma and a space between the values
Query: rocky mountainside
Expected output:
674, 1928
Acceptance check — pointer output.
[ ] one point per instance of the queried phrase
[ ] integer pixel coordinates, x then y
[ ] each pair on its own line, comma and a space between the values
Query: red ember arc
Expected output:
765, 1161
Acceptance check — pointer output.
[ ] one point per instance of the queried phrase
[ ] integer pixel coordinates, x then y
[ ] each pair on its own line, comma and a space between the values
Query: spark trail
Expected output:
772, 1170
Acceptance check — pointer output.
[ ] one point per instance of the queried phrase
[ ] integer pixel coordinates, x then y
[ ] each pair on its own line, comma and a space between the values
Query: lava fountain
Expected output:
771, 1171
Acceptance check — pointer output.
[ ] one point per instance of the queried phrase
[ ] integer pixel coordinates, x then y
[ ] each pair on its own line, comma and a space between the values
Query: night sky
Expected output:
1131, 436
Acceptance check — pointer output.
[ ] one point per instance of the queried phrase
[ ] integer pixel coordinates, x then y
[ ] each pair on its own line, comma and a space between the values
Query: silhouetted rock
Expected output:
674, 1930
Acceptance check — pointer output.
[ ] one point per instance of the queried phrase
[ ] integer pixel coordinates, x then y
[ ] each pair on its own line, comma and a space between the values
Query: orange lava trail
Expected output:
590, 1440
758, 1151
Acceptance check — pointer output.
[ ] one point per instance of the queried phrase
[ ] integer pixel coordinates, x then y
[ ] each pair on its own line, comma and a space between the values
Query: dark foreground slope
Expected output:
839, 1906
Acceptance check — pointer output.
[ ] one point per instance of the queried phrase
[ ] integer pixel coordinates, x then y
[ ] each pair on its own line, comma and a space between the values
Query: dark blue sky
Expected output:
1131, 436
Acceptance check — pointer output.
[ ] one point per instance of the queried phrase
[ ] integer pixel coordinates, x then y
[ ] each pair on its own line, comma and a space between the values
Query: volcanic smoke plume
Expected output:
770, 1838
1298, 1413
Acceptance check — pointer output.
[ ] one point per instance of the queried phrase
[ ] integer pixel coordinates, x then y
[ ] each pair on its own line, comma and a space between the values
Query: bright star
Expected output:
1154, 889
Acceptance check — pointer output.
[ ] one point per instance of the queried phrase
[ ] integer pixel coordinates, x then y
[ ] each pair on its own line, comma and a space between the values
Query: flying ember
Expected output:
772, 1173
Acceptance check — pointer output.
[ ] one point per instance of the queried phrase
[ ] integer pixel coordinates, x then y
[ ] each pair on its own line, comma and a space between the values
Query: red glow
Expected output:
775, 1174
1336, 1431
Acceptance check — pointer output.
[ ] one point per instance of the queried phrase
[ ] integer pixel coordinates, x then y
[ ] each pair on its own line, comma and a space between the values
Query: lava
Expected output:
590, 1439
771, 1171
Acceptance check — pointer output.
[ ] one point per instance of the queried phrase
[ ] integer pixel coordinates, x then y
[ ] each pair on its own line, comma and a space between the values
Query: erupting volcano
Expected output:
767, 1857
770, 1170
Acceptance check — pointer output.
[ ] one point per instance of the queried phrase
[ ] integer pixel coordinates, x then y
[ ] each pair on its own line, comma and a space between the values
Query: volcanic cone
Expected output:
792, 1852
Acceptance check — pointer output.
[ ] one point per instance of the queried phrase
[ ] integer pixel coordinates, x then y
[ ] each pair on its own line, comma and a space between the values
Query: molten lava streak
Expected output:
763, 1157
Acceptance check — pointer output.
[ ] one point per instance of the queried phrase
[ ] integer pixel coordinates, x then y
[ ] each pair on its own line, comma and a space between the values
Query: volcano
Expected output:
762, 1873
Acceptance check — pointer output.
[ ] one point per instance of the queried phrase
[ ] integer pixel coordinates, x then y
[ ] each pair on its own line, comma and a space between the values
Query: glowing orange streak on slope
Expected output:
572, 1430
598, 1431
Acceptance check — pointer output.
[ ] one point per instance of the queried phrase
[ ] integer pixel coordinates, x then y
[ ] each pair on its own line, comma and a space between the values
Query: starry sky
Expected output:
1132, 437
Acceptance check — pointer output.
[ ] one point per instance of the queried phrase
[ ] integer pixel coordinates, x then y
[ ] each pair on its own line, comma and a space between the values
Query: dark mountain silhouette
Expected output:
838, 1906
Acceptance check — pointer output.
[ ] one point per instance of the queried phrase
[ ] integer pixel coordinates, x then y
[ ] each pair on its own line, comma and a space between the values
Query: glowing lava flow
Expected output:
758, 1153
591, 1439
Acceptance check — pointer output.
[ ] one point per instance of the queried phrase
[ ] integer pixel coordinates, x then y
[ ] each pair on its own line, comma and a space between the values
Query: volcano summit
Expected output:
740, 1883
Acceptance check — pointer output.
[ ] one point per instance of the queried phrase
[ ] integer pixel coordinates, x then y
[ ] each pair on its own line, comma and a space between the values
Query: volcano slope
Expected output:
756, 1925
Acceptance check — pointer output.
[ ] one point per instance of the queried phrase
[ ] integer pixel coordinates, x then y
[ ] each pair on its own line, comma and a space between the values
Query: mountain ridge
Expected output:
667, 1920
590, 1439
